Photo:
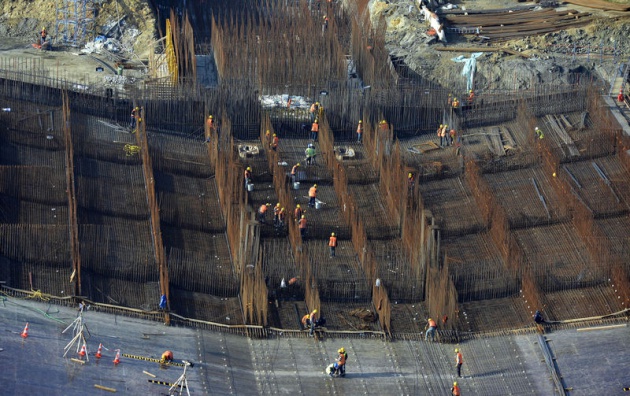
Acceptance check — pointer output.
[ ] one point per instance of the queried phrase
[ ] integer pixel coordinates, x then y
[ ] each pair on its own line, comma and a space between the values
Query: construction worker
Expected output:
210, 122
332, 244
455, 390
306, 321
262, 211
297, 213
383, 125
450, 100
312, 319
289, 102
314, 110
310, 154
411, 180
459, 360
538, 318
167, 357
302, 226
360, 131
325, 24
439, 134
135, 113
281, 216
312, 195
294, 171
274, 142
620, 97
247, 174
43, 35
340, 362
431, 327
539, 133
471, 96
268, 137
276, 214
451, 136
443, 139
314, 130
455, 103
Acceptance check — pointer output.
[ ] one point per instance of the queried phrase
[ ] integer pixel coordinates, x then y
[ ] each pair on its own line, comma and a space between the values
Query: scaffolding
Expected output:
74, 21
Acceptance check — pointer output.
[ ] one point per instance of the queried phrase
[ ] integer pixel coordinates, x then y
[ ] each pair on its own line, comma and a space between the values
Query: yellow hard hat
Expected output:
456, 350
314, 311
333, 234
445, 126
455, 99
341, 350
210, 116
268, 204
267, 131
298, 164
470, 90
316, 121
274, 135
139, 119
441, 125
454, 383
278, 204
360, 121
298, 205
409, 175
137, 108
430, 319
314, 185
317, 103
303, 216
249, 168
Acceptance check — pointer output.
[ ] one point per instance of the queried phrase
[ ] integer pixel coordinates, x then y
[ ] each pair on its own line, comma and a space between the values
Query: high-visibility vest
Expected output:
247, 174
302, 223
294, 169
298, 213
432, 323
263, 209
304, 318
312, 192
456, 391
332, 242
341, 360
315, 127
459, 359
313, 108
360, 128
275, 142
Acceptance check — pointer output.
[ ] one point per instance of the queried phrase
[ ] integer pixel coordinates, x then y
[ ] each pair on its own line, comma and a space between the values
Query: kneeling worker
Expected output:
167, 357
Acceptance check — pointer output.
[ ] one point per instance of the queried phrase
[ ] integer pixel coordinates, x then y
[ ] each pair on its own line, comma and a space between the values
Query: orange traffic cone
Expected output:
117, 358
98, 351
25, 331
83, 350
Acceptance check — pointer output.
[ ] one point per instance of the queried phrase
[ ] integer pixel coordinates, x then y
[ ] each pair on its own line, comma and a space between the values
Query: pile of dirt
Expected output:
23, 19
555, 58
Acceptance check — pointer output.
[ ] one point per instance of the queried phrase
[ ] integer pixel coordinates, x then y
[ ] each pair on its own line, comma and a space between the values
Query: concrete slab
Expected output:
227, 364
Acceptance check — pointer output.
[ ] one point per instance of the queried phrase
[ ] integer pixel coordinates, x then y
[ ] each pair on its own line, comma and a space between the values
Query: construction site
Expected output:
141, 140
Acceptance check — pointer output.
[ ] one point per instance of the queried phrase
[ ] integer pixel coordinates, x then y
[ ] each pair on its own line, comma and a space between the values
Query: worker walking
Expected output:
431, 327
451, 136
302, 226
459, 360
455, 390
360, 131
312, 195
281, 216
310, 154
274, 142
135, 113
167, 357
340, 363
294, 171
443, 138
539, 133
314, 130
276, 214
262, 212
332, 244
312, 319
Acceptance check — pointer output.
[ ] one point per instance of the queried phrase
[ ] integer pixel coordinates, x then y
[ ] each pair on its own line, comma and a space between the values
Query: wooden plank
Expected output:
566, 122
494, 142
599, 4
563, 135
480, 49
507, 136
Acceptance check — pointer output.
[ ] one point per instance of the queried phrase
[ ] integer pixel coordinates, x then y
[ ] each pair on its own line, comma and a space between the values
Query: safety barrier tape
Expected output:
148, 359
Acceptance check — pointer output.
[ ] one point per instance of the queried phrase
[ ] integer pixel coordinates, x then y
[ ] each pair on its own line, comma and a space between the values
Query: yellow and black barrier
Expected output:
153, 360
163, 383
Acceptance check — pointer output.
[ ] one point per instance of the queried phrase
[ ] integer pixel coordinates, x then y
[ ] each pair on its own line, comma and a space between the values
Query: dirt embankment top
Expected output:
23, 19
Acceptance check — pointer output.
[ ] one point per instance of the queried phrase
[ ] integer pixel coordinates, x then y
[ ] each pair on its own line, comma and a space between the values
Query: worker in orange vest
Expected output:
383, 125
431, 327
360, 131
459, 360
451, 136
312, 319
312, 195
210, 122
455, 103
167, 356
332, 243
443, 138
297, 213
455, 390
276, 214
439, 134
294, 171
289, 102
314, 130
274, 142
302, 226
471, 96
281, 216
262, 211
